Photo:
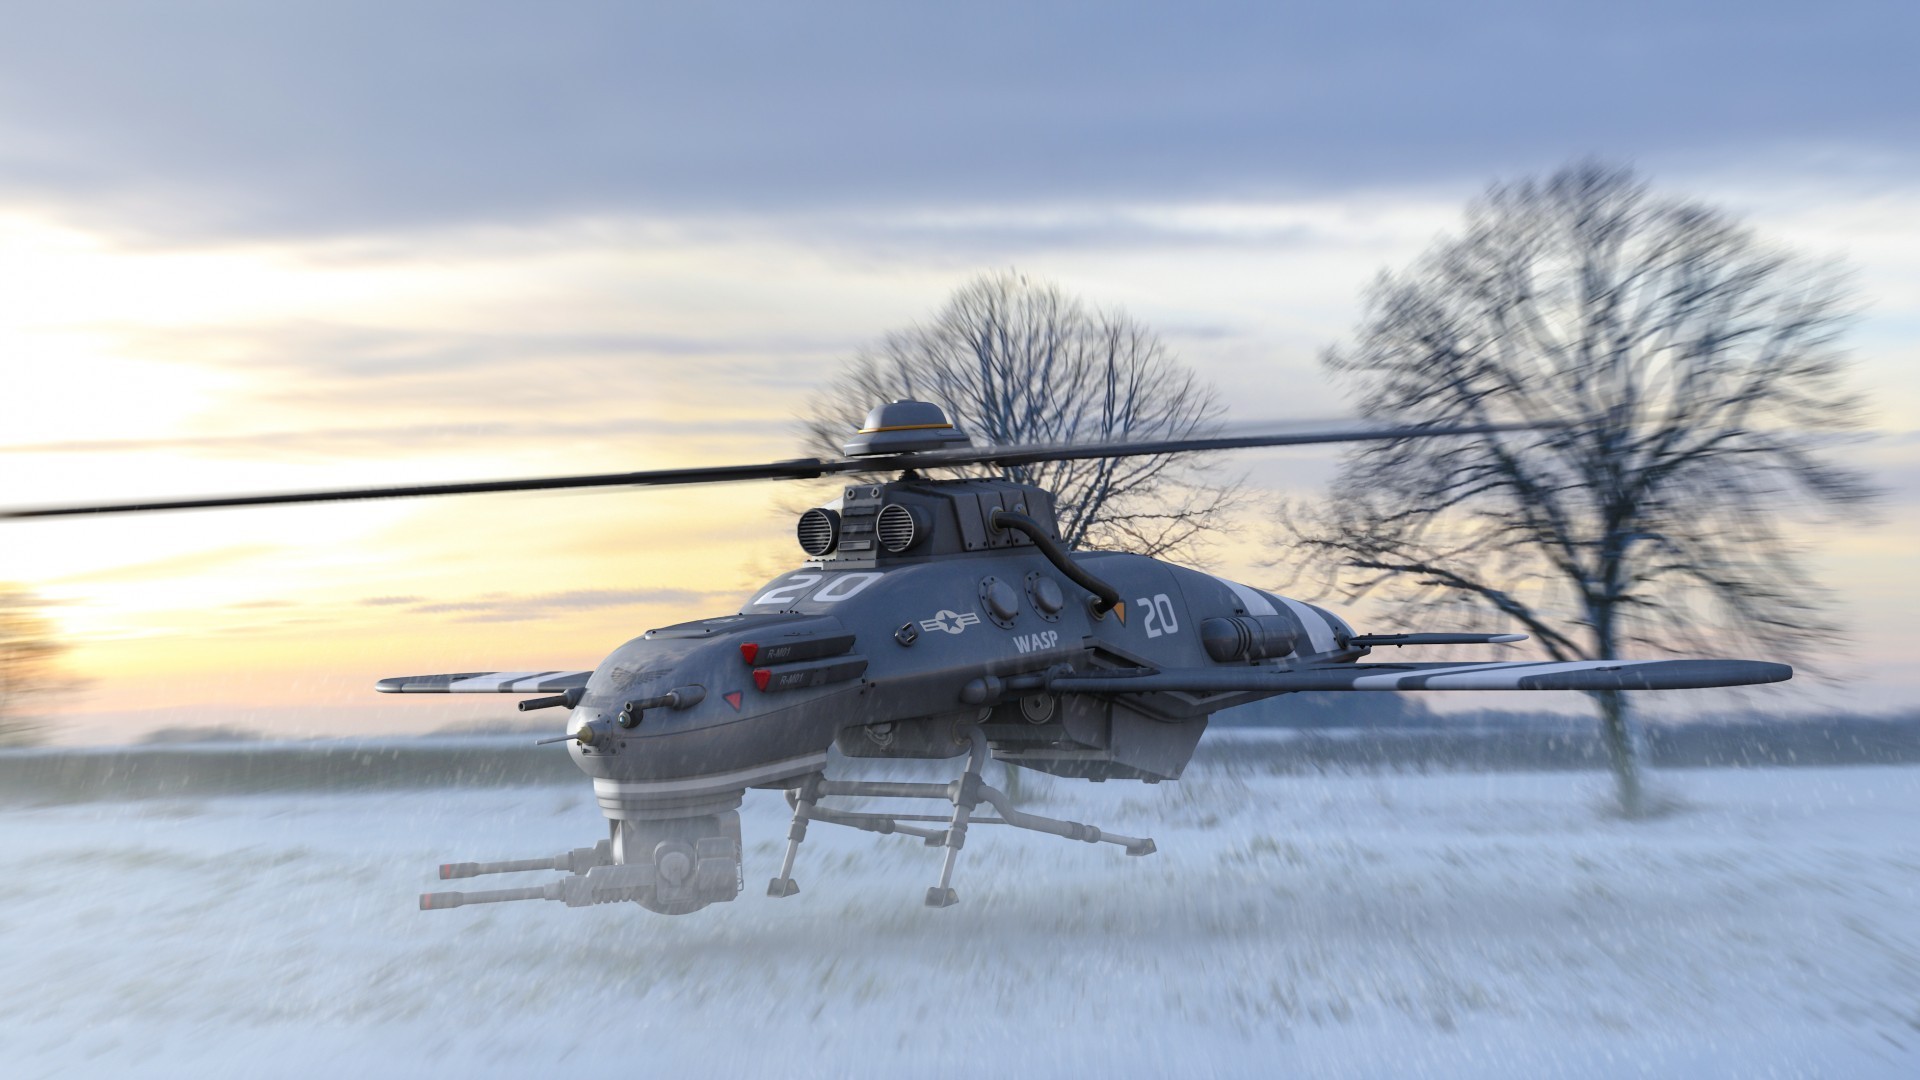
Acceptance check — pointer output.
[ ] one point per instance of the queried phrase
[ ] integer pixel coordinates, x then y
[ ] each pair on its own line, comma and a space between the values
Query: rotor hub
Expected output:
905, 427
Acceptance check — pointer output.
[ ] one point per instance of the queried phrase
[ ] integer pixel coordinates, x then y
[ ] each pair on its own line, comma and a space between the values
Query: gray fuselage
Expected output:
892, 651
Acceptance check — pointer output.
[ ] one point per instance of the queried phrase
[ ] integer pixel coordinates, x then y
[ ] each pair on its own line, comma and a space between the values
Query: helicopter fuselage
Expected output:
920, 637
903, 657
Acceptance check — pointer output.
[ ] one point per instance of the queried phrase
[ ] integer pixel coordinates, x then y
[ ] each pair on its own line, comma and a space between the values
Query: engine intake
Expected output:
818, 531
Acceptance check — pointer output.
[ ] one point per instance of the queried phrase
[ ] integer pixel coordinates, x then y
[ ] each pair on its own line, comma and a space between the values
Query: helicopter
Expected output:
932, 619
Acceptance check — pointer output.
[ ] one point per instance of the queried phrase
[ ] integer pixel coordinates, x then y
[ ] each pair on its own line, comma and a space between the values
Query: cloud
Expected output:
194, 118
426, 389
177, 566
503, 607
342, 442
397, 354
967, 236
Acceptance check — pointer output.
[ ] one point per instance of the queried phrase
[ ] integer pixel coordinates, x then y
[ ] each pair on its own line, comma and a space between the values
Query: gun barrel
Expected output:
442, 901
448, 871
558, 701
577, 861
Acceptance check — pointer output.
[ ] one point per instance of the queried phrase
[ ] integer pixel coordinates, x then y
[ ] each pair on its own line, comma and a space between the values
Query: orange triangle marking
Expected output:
733, 699
1120, 612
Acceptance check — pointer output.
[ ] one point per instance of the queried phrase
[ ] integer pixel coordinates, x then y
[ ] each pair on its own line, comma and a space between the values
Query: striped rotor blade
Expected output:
486, 682
1544, 675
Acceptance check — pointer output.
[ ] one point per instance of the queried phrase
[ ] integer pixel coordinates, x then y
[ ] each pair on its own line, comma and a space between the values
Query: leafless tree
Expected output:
1697, 385
29, 651
1016, 361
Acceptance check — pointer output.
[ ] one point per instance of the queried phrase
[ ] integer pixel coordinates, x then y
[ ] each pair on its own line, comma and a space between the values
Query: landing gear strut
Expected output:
966, 794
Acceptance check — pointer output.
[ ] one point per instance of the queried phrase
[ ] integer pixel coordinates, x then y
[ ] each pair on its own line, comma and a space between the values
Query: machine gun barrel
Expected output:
441, 901
605, 883
558, 701
577, 861
449, 871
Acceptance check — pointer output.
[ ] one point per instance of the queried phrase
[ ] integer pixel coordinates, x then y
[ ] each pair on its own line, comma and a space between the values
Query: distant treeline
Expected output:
180, 768
1310, 711
1505, 745
1488, 742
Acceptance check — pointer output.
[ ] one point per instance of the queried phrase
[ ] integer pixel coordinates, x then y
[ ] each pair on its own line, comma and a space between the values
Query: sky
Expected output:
257, 247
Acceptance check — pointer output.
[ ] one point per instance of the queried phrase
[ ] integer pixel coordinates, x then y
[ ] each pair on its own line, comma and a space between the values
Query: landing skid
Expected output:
965, 794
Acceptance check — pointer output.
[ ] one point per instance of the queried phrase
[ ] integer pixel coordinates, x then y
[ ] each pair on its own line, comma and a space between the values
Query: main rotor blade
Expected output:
796, 469
1031, 454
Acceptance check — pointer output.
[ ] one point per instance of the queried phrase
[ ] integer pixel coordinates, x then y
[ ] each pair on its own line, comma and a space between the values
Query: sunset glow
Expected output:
407, 291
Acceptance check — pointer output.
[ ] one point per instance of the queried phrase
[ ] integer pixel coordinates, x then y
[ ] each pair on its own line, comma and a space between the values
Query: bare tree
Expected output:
1697, 382
28, 654
1014, 361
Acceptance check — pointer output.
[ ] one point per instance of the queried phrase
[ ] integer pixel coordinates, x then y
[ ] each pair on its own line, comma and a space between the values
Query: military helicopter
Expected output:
932, 619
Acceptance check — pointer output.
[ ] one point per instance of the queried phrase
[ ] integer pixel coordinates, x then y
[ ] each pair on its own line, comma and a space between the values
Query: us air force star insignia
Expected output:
952, 622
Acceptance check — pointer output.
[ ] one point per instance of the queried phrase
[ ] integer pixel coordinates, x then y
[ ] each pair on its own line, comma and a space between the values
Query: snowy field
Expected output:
1391, 926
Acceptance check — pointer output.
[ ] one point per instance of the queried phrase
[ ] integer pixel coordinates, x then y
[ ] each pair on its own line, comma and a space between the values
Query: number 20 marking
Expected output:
842, 588
1159, 618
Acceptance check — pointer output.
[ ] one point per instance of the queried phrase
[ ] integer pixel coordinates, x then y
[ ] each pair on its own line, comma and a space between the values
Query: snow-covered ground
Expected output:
1454, 925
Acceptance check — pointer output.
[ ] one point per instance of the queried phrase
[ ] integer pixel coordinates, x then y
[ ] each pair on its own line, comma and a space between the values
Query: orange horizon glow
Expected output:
138, 371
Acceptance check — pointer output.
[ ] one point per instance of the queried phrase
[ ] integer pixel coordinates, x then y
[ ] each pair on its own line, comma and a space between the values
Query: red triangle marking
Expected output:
733, 699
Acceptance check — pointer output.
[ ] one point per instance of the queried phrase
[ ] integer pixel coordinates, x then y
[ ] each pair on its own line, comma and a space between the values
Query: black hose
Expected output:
1107, 596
